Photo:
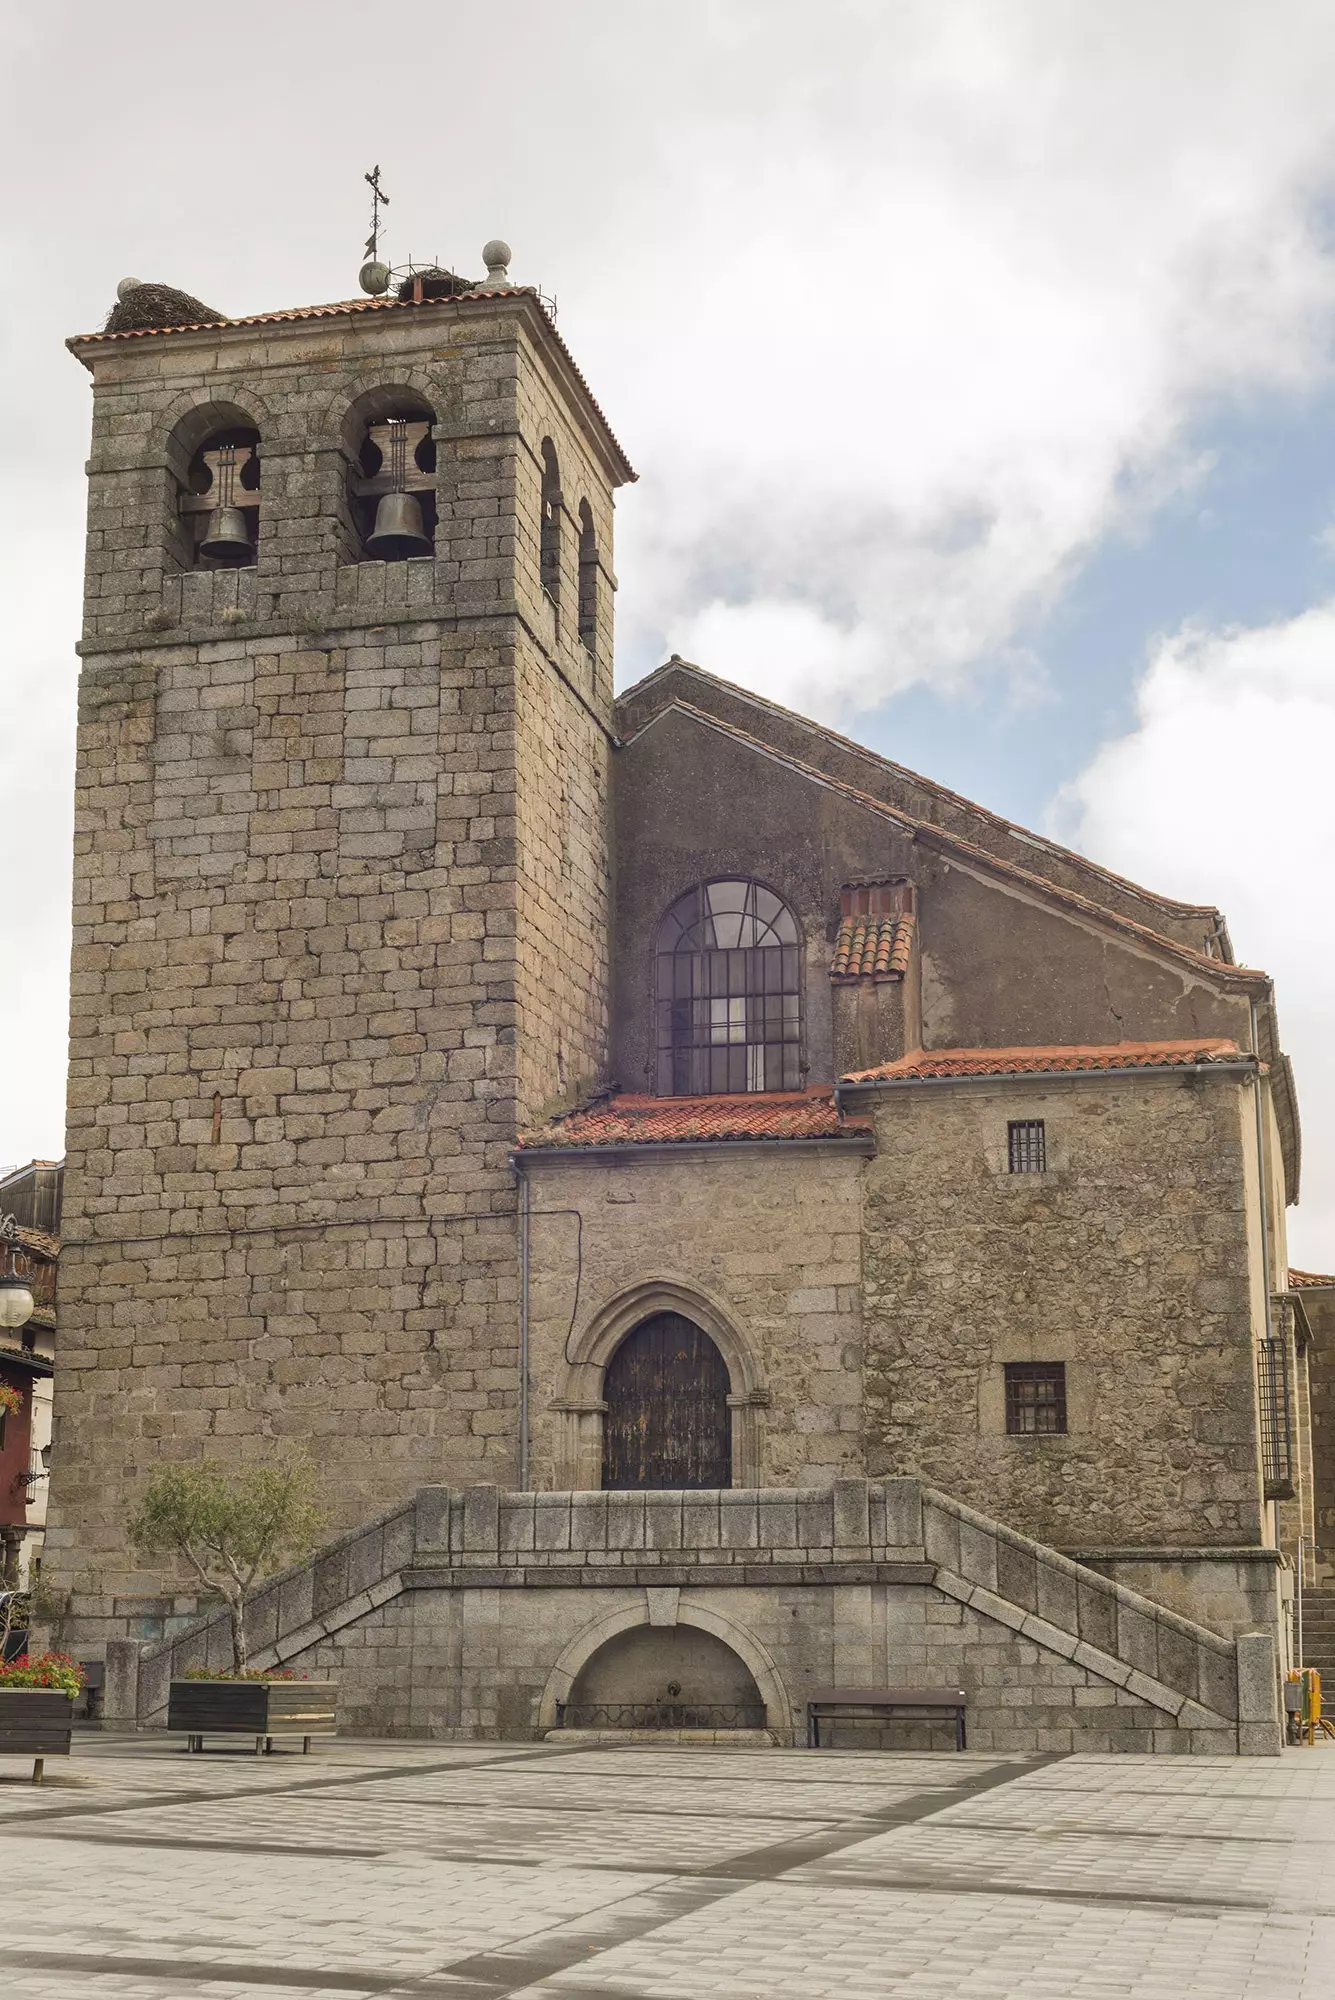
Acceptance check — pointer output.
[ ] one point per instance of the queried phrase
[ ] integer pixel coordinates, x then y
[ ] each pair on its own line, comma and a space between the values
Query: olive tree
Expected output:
232, 1529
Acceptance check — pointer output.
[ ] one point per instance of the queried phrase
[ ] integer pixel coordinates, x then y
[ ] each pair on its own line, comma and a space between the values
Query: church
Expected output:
734, 1222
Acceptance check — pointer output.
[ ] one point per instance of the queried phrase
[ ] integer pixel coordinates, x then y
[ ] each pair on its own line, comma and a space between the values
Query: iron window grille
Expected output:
728, 993
1027, 1146
1276, 1406
1035, 1398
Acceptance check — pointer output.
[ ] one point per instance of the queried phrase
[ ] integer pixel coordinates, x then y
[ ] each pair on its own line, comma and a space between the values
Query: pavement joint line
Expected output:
158, 1801
496, 1975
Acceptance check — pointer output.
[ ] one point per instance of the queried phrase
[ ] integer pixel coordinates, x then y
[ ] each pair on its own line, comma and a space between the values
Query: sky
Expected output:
976, 359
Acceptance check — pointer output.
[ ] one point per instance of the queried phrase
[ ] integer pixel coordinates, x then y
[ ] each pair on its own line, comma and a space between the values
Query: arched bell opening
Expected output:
667, 1421
664, 1677
218, 499
392, 479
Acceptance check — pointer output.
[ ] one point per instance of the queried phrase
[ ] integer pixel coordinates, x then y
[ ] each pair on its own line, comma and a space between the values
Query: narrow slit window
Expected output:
1028, 1146
549, 553
1035, 1398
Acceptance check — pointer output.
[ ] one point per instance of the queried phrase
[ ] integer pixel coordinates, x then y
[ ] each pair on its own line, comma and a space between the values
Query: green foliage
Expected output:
11, 1400
242, 1674
232, 1529
43, 1670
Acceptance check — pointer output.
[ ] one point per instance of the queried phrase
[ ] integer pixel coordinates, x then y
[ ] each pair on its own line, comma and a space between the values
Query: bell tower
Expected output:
341, 888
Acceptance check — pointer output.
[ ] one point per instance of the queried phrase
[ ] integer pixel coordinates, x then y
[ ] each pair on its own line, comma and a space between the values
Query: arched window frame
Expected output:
549, 550
588, 579
728, 992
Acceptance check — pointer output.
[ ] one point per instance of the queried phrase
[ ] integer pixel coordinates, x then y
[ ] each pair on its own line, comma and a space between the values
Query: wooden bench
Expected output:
884, 1704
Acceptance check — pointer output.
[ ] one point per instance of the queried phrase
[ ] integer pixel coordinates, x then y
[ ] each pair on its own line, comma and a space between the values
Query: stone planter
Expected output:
36, 1723
262, 1709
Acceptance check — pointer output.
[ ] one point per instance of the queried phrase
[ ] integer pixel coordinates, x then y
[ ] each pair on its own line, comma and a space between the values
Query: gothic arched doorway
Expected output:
667, 1423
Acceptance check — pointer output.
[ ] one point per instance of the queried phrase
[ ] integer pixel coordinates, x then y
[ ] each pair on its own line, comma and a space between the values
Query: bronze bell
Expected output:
398, 529
228, 538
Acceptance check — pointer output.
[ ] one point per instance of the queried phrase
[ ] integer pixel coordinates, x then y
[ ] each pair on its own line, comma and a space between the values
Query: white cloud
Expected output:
898, 307
1223, 793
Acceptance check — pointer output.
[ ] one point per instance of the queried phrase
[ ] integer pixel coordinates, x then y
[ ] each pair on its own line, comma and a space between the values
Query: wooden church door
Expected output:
667, 1422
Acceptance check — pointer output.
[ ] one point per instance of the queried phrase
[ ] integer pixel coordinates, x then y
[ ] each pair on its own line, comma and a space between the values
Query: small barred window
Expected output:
1028, 1146
1035, 1398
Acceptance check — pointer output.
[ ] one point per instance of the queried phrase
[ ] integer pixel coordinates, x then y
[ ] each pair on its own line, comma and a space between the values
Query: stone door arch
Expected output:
667, 1421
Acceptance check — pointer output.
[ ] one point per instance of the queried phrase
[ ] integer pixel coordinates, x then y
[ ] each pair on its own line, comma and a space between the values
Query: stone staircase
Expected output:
471, 1614
1319, 1638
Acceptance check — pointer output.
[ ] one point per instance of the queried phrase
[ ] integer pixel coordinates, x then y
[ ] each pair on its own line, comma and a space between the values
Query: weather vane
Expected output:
374, 276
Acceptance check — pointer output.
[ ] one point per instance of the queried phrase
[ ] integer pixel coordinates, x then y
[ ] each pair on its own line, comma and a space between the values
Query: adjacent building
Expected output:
30, 1199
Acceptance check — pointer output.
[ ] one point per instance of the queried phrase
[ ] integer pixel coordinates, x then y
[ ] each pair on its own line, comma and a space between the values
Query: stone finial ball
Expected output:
128, 285
495, 253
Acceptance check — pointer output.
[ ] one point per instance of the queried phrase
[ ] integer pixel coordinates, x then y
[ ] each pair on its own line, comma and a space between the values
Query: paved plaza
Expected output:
479, 1872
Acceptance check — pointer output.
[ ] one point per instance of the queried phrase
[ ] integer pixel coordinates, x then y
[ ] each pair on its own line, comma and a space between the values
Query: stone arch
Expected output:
755, 1657
189, 418
366, 395
579, 1400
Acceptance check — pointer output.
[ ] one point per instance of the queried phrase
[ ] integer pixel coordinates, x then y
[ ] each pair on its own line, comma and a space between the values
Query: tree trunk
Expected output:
240, 1649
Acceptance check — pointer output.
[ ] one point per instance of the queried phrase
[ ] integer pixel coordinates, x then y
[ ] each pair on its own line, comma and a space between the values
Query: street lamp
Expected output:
16, 1300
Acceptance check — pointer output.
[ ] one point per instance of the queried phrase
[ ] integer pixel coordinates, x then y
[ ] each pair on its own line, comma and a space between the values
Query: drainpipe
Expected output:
523, 1330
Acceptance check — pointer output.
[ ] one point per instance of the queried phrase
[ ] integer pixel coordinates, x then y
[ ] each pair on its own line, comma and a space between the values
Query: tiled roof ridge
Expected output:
631, 1118
38, 1240
1010, 826
1054, 1059
1298, 1280
874, 947
923, 831
78, 341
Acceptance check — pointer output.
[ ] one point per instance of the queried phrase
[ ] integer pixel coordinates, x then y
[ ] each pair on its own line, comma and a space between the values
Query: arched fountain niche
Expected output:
666, 1681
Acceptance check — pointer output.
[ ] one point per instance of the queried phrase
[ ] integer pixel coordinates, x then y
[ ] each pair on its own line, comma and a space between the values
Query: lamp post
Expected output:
16, 1299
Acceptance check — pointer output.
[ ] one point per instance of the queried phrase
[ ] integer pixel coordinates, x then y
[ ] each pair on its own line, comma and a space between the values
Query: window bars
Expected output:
729, 993
1027, 1146
1276, 1408
1035, 1398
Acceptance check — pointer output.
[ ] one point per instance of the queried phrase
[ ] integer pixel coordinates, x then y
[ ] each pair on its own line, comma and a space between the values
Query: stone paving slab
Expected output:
411, 1871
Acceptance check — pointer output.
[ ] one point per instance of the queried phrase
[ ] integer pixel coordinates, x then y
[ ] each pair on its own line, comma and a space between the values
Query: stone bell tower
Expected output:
341, 887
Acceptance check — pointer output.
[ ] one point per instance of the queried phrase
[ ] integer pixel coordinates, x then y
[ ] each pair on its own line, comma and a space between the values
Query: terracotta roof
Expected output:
1300, 1280
347, 306
634, 1120
873, 947
289, 313
39, 1241
933, 1065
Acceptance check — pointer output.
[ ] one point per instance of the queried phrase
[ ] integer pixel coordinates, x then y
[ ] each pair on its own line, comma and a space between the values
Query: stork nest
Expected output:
151, 306
437, 284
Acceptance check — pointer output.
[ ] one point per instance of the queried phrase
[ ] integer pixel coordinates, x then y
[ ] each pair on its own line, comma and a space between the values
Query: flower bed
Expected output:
37, 1707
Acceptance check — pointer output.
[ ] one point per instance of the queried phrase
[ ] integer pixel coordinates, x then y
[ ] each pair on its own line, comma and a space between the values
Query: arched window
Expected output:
392, 479
219, 500
668, 1423
729, 992
549, 554
588, 578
